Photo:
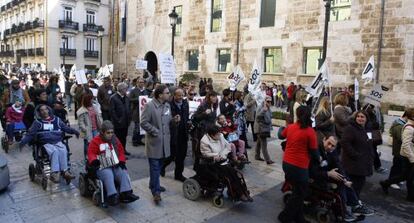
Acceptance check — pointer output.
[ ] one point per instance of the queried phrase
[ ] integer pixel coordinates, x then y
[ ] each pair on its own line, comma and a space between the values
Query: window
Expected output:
90, 17
90, 44
224, 59
193, 60
340, 10
311, 60
216, 15
67, 13
273, 60
267, 15
69, 43
179, 11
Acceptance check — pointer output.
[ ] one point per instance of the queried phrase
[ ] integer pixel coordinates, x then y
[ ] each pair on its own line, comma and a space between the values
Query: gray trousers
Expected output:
262, 145
110, 175
58, 156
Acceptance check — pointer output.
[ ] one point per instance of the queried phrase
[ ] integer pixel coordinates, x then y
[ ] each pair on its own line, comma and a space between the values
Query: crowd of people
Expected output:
340, 146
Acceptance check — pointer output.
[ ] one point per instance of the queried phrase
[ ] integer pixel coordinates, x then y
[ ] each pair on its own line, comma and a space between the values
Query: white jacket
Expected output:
407, 137
210, 147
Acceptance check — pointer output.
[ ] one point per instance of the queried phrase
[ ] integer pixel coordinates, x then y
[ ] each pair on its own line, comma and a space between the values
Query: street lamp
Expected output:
100, 35
65, 43
325, 34
173, 22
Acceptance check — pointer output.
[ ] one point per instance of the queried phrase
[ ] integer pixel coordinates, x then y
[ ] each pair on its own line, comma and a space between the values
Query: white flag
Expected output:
316, 87
368, 73
62, 80
72, 71
235, 77
356, 90
255, 78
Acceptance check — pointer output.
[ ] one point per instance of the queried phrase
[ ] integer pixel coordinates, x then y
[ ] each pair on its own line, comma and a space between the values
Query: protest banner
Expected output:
376, 95
81, 77
368, 73
167, 69
141, 64
255, 78
72, 71
319, 82
142, 101
235, 77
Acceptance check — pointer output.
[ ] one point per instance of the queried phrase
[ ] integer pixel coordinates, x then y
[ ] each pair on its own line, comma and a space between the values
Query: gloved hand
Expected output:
122, 165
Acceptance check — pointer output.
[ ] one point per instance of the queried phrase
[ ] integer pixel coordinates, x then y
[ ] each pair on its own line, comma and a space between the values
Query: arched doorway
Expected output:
152, 64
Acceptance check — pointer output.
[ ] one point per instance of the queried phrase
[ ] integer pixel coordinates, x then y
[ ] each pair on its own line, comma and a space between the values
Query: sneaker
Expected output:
349, 217
395, 186
384, 186
55, 177
362, 210
381, 170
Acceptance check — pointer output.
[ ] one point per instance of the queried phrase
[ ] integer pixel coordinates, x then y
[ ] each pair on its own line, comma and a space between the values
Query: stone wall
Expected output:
299, 24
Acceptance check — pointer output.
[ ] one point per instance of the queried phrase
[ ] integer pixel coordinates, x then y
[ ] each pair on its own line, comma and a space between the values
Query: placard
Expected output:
81, 77
376, 95
141, 64
167, 69
142, 100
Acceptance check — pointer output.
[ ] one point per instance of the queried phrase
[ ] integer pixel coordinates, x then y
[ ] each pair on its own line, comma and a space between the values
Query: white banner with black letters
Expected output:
316, 87
376, 95
368, 73
235, 77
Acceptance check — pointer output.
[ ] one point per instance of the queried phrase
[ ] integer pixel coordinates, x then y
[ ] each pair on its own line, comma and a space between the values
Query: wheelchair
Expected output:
323, 204
208, 183
91, 186
19, 130
41, 169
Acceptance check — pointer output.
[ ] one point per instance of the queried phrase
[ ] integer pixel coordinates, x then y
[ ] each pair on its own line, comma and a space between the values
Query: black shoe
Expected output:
384, 187
135, 144
157, 199
141, 143
162, 172
248, 147
127, 153
180, 178
259, 158
162, 189
113, 200
270, 162
128, 197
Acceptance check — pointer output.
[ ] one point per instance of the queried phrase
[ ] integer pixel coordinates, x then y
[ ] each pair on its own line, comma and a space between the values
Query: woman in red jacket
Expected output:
301, 144
106, 156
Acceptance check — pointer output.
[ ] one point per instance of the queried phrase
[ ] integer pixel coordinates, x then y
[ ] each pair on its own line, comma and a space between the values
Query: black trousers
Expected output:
377, 161
178, 154
396, 168
358, 183
106, 115
407, 174
121, 134
293, 211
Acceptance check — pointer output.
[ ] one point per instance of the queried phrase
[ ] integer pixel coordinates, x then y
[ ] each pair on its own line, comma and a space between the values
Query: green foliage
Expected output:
188, 77
395, 107
279, 115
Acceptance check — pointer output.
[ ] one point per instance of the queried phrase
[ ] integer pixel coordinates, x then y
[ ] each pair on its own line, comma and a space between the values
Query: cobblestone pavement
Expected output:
25, 201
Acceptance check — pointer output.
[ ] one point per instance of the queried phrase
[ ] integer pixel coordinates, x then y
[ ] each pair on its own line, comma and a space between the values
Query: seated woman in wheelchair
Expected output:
48, 131
14, 119
330, 171
214, 152
229, 131
106, 157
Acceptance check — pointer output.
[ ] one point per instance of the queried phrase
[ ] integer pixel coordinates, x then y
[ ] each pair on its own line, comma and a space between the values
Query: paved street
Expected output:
25, 201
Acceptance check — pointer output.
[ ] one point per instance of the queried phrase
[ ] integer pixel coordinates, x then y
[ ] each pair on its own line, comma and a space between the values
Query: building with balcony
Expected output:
54, 33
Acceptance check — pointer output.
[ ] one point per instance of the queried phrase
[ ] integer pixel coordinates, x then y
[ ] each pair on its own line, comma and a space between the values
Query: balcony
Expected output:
20, 28
39, 52
3, 8
31, 52
94, 2
22, 52
15, 2
66, 24
9, 53
6, 32
28, 26
68, 52
13, 29
91, 54
92, 28
37, 23
9, 5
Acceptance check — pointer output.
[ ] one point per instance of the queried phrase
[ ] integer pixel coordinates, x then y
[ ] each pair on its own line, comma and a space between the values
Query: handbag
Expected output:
232, 137
376, 137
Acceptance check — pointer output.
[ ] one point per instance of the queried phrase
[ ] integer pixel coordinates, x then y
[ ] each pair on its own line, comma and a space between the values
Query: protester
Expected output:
14, 116
13, 93
69, 98
263, 127
134, 95
229, 131
251, 106
29, 113
342, 115
179, 135
300, 99
112, 167
301, 145
105, 92
120, 114
227, 104
324, 120
290, 91
239, 117
156, 120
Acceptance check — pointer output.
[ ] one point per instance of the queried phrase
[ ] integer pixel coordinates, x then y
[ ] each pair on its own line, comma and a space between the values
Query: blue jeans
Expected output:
110, 175
68, 100
58, 156
155, 169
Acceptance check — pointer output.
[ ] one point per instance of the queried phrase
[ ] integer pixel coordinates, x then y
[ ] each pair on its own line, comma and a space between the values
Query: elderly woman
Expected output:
106, 156
263, 127
214, 150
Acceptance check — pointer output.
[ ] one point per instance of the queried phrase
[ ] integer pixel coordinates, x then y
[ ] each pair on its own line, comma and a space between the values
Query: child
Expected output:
14, 119
229, 131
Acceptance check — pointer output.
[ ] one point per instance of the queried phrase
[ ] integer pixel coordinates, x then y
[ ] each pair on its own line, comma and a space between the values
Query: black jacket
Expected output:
227, 109
324, 124
357, 153
201, 120
120, 111
180, 131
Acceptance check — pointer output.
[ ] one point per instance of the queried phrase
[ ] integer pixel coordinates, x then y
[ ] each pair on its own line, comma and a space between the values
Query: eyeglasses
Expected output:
192, 94
269, 101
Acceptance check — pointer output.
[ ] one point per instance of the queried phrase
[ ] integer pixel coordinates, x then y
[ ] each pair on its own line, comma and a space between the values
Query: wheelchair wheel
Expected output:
323, 216
191, 189
32, 172
286, 197
96, 198
5, 144
44, 182
218, 201
83, 185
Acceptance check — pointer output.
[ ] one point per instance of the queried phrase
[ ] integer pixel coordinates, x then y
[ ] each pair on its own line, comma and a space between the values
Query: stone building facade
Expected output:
295, 32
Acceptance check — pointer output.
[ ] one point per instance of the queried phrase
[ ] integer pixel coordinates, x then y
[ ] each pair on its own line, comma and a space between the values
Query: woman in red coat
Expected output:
106, 156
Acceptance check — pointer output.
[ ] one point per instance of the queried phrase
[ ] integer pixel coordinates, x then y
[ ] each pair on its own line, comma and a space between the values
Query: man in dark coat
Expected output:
179, 135
139, 90
120, 113
227, 107
104, 93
